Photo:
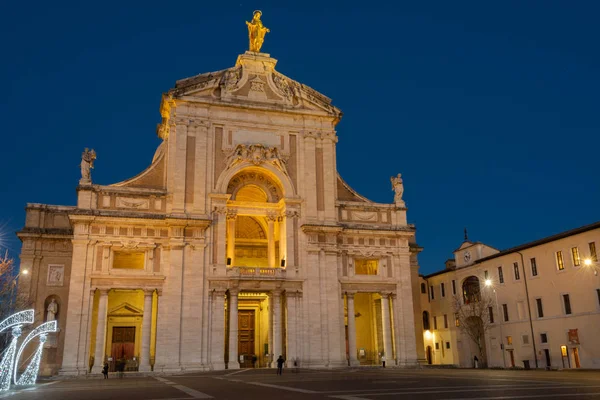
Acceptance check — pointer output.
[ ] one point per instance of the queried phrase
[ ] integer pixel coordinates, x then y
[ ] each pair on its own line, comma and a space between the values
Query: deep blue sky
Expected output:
490, 111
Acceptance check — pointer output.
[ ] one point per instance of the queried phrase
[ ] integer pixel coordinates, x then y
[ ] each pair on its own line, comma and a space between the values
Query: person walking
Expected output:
105, 371
280, 362
383, 361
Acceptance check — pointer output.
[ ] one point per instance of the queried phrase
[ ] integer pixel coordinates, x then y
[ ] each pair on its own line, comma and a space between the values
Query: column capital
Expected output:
292, 214
292, 294
219, 292
276, 293
350, 294
149, 292
272, 217
234, 291
103, 291
231, 214
385, 295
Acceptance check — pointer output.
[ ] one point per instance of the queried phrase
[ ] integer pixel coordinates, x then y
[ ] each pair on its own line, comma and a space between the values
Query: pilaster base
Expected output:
167, 368
217, 365
145, 368
337, 364
193, 367
233, 365
72, 371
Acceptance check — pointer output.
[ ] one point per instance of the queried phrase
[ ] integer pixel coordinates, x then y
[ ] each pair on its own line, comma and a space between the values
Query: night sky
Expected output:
489, 111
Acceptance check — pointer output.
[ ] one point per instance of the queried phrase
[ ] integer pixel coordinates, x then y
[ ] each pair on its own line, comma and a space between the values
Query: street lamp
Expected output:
488, 283
588, 262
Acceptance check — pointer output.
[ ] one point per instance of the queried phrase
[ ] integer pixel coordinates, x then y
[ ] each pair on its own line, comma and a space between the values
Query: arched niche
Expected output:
471, 290
47, 302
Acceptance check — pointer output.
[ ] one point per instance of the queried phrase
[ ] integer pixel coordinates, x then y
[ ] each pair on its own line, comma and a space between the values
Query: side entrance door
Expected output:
246, 338
123, 345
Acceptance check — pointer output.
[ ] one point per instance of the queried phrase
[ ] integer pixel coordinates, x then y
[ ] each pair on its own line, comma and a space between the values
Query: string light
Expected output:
22, 317
34, 365
31, 373
8, 362
7, 365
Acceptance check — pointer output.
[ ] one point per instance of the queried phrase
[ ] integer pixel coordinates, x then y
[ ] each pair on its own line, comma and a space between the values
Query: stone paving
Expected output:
345, 384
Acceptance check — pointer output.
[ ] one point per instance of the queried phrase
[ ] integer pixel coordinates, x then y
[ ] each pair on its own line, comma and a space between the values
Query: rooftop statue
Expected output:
87, 163
256, 32
398, 188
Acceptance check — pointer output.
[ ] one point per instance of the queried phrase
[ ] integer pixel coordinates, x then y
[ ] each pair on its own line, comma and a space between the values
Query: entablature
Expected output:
134, 282
279, 285
368, 287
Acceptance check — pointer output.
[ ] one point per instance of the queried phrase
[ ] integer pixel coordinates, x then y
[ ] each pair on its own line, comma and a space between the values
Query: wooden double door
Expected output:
246, 339
123, 346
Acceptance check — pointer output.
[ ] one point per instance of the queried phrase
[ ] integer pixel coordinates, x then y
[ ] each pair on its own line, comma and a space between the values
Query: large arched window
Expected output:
471, 290
425, 320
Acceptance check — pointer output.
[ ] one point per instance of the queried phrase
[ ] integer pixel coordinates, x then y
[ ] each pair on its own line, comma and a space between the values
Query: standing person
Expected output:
476, 362
383, 361
121, 368
280, 362
105, 371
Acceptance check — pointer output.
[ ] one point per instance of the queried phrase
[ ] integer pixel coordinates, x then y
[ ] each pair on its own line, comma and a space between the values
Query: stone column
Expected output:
76, 349
271, 240
146, 331
233, 330
231, 216
351, 331
289, 240
218, 330
282, 240
292, 328
277, 334
100, 332
270, 332
386, 327
220, 239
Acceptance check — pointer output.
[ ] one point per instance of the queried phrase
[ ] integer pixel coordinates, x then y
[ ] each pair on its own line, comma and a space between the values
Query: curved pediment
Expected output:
253, 80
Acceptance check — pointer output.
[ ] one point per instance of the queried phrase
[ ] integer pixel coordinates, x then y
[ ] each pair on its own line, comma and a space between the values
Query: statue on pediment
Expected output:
398, 188
256, 32
87, 164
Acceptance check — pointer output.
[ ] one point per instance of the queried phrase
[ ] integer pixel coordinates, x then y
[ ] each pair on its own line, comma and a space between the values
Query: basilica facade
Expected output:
239, 243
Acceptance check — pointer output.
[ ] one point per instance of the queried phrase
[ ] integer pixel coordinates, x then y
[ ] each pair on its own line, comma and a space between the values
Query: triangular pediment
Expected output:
125, 309
253, 81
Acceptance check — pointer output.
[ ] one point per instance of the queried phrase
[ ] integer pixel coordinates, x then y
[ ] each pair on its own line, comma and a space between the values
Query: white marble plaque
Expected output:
56, 274
270, 139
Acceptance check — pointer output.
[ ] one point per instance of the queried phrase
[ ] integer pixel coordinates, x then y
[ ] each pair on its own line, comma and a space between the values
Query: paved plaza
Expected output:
355, 384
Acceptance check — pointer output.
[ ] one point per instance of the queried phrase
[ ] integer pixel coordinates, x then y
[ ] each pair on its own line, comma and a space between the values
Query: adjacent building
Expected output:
239, 243
541, 304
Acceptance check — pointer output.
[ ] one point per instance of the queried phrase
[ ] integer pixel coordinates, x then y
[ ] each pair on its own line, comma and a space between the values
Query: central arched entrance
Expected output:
255, 223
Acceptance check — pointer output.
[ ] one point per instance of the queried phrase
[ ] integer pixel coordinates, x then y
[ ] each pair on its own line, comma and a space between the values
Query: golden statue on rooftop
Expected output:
256, 32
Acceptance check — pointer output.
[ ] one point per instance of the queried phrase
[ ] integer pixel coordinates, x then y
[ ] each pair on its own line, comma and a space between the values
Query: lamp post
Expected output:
488, 283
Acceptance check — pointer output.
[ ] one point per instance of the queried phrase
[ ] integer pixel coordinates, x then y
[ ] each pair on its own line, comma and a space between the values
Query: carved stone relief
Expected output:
139, 204
256, 154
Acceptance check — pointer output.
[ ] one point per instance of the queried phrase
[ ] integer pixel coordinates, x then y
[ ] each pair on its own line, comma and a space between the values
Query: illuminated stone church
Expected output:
239, 243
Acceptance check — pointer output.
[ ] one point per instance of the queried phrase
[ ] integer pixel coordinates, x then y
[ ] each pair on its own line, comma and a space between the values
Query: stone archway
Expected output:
274, 175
